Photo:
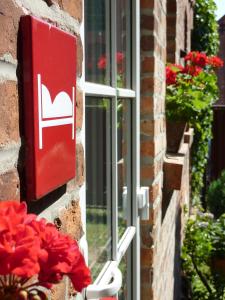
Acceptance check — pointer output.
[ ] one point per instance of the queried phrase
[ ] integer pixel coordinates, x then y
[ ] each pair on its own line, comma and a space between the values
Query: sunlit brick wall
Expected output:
61, 206
161, 235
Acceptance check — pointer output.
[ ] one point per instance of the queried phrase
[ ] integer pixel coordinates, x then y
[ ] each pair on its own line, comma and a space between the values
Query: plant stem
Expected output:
201, 276
2, 282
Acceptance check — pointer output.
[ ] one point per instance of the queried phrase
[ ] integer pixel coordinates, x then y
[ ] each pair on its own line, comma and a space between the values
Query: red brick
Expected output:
145, 275
147, 127
79, 56
147, 84
79, 108
74, 8
147, 22
147, 4
10, 185
147, 148
147, 64
79, 164
9, 24
9, 113
147, 42
146, 235
173, 171
146, 257
147, 172
146, 104
147, 293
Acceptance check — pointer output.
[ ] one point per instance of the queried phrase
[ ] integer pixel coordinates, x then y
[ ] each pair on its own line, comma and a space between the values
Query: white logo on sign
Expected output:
58, 112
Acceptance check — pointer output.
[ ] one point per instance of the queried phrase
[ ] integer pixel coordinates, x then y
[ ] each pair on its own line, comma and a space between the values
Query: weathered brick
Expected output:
146, 105
146, 235
79, 108
146, 257
154, 191
145, 276
9, 23
146, 293
74, 8
10, 185
147, 22
147, 84
147, 42
79, 56
147, 4
147, 64
79, 164
147, 148
147, 127
69, 220
9, 113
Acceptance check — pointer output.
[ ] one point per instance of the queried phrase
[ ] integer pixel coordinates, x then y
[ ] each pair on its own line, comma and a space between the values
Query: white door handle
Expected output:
96, 291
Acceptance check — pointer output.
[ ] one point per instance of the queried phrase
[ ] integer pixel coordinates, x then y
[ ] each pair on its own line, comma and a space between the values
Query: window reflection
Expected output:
98, 182
123, 54
97, 41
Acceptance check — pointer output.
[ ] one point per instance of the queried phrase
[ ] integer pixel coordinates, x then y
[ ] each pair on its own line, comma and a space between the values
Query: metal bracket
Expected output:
143, 202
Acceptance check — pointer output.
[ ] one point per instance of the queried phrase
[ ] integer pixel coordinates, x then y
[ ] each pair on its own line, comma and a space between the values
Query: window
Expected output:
112, 89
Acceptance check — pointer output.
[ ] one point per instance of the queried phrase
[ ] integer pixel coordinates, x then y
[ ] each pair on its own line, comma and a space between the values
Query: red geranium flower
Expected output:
102, 63
215, 61
19, 251
196, 58
171, 73
31, 247
192, 70
80, 274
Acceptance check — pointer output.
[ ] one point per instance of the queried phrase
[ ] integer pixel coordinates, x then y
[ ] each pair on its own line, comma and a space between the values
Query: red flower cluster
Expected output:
196, 58
192, 70
171, 73
31, 247
201, 60
215, 61
102, 62
195, 64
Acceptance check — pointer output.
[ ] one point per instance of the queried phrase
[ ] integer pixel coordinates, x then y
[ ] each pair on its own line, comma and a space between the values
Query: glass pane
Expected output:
97, 41
124, 163
98, 182
123, 54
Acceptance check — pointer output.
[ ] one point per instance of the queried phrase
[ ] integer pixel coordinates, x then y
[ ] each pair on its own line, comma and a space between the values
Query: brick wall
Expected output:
61, 206
161, 235
179, 25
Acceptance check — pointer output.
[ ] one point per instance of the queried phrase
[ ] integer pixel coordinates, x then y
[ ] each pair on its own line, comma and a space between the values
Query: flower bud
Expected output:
35, 297
23, 295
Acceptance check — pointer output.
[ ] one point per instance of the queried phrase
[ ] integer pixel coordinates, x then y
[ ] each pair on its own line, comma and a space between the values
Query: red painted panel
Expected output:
49, 82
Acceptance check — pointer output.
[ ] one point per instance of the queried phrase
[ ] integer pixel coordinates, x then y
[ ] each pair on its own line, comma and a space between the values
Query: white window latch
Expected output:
143, 202
101, 290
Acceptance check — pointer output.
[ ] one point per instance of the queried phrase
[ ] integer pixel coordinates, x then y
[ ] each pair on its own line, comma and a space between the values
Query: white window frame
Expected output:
101, 287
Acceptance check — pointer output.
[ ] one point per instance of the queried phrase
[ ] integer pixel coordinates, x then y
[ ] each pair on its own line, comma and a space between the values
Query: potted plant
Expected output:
190, 90
34, 255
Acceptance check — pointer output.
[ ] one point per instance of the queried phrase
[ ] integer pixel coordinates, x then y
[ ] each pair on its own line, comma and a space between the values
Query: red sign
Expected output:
49, 82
